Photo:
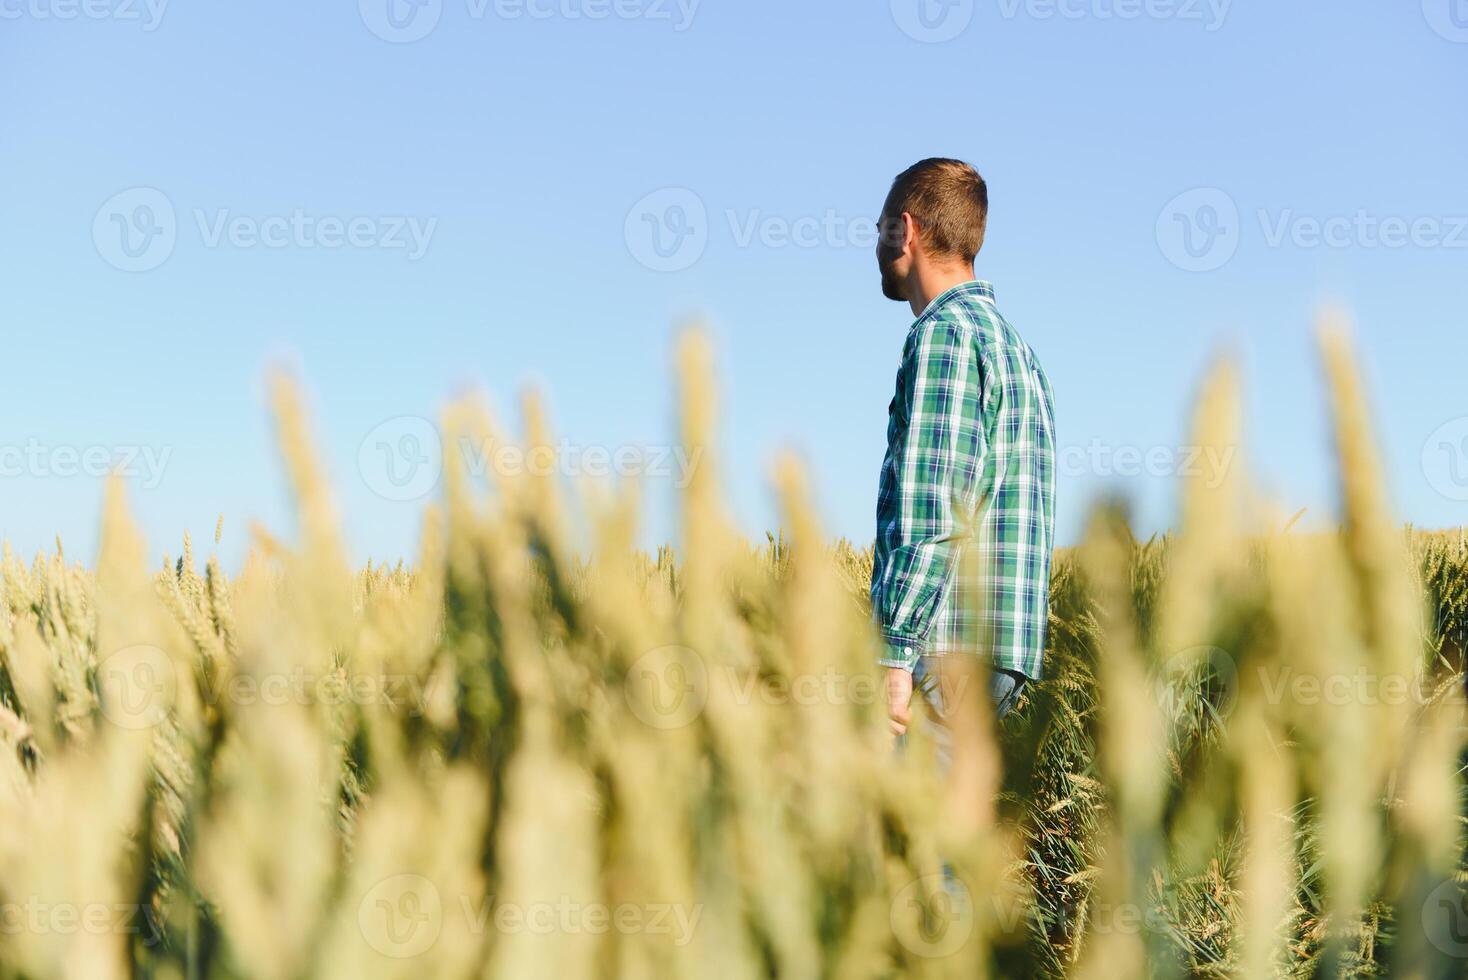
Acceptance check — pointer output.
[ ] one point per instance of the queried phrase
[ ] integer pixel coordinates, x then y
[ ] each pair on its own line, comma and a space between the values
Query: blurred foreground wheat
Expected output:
511, 760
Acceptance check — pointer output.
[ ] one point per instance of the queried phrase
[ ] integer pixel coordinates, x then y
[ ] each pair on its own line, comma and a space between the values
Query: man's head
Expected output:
932, 224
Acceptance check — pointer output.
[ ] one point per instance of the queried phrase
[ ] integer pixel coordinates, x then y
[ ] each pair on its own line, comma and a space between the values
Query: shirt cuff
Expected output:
900, 651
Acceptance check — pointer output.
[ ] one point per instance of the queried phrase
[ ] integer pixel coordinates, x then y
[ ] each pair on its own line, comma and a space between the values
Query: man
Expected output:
965, 512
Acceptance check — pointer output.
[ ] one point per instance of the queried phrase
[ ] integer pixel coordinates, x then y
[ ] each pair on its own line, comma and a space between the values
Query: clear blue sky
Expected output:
520, 138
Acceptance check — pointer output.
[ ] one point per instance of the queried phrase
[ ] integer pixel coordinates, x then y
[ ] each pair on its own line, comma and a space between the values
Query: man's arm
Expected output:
938, 460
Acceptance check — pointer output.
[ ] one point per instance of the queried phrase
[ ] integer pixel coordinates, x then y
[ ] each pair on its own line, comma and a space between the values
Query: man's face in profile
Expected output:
889, 251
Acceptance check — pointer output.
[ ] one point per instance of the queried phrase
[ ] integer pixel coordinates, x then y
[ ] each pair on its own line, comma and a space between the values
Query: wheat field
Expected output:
516, 758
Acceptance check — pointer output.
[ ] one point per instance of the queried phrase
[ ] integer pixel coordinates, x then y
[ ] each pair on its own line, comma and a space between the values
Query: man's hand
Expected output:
899, 699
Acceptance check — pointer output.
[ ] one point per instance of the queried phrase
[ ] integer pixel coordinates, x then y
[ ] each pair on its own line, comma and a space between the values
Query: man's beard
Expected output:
891, 284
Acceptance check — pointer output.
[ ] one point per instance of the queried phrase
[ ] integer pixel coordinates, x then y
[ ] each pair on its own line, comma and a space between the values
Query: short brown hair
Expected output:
949, 201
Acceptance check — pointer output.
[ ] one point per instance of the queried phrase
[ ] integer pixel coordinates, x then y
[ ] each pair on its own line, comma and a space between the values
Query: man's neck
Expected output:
934, 283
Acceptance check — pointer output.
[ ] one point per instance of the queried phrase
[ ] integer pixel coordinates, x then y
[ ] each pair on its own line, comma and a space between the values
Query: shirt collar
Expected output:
978, 288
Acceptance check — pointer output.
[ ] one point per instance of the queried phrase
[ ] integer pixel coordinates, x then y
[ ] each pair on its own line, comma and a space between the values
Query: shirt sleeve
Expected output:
938, 452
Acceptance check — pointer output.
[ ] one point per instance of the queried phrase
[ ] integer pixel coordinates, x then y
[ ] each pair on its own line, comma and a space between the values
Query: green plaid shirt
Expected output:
966, 510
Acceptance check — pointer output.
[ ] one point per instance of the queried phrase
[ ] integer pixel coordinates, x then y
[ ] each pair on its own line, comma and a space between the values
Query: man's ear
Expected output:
910, 234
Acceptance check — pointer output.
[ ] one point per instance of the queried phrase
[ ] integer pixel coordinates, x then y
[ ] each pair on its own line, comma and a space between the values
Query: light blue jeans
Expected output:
1005, 687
